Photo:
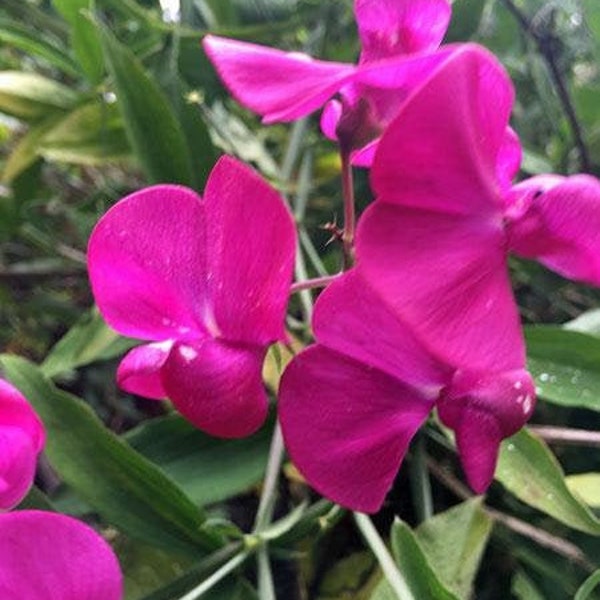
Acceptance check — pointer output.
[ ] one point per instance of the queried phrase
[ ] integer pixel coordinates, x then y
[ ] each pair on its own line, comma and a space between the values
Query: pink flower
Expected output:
435, 242
350, 404
48, 556
21, 440
208, 282
399, 42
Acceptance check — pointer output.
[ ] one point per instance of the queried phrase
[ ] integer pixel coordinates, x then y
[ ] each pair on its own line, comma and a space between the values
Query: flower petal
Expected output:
217, 386
280, 86
146, 264
15, 411
48, 556
556, 220
464, 106
251, 247
347, 425
509, 159
483, 408
139, 371
391, 27
18, 458
351, 318
446, 277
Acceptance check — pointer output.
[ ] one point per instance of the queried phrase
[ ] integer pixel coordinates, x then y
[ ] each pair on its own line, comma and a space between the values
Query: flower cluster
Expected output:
425, 318
43, 556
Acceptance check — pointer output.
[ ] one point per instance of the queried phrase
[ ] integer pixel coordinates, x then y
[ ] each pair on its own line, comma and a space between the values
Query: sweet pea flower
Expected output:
207, 281
21, 440
400, 40
48, 556
350, 404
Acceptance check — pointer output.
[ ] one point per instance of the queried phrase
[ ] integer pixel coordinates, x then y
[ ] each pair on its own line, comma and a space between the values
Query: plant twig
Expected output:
545, 42
540, 536
310, 284
565, 435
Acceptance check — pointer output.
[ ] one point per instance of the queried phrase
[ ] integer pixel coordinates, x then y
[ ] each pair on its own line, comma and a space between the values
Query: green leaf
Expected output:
25, 153
207, 468
154, 132
586, 486
30, 96
412, 562
454, 541
126, 489
89, 340
30, 41
529, 470
565, 365
90, 135
589, 585
524, 589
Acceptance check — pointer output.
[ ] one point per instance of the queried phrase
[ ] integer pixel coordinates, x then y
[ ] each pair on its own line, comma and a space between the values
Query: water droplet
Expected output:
549, 496
510, 447
544, 377
188, 354
109, 97
518, 385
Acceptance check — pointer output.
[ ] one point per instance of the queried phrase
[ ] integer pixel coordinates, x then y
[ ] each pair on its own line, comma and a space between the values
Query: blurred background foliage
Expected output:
98, 98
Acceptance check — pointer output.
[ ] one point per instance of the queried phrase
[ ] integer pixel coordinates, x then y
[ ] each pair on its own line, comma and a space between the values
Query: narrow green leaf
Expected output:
126, 489
414, 565
89, 340
586, 486
454, 541
207, 468
589, 585
529, 470
154, 132
84, 37
524, 589
30, 41
90, 135
565, 365
30, 96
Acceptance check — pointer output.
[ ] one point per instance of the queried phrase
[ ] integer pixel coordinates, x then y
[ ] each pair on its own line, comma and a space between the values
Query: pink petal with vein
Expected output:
347, 425
139, 371
464, 107
251, 244
146, 261
509, 159
445, 275
280, 86
352, 319
48, 556
391, 27
217, 386
483, 408
556, 220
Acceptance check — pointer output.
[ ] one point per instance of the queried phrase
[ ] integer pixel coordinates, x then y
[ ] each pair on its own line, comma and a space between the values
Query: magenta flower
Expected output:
350, 404
48, 556
207, 280
436, 240
399, 41
21, 440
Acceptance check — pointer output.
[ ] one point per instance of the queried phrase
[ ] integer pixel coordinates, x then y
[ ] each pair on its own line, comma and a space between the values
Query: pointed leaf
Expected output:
589, 585
126, 489
153, 130
529, 470
454, 542
586, 486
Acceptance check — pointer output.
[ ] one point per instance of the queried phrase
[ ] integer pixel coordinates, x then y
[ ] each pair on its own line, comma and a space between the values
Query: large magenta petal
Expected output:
280, 86
21, 440
217, 386
251, 242
146, 264
139, 371
47, 556
441, 152
509, 159
351, 318
556, 220
483, 408
391, 27
347, 425
446, 276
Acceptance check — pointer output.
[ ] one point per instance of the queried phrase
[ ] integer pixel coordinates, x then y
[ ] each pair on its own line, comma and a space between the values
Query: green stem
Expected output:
216, 577
419, 481
388, 566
